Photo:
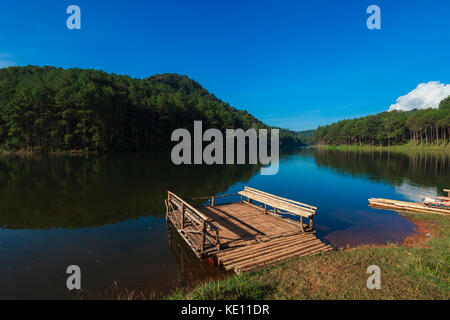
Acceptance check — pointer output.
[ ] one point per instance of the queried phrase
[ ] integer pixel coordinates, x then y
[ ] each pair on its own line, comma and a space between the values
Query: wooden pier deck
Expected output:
241, 236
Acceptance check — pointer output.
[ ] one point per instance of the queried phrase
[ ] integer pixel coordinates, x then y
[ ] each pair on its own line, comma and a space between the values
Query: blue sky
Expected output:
294, 64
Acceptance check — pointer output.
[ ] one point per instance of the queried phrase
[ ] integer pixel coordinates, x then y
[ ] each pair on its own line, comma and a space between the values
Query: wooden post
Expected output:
311, 223
182, 216
301, 223
167, 209
213, 199
217, 240
167, 205
242, 198
275, 210
203, 236
265, 208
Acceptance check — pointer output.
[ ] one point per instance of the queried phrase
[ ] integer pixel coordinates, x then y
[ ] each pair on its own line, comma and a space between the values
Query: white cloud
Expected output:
425, 96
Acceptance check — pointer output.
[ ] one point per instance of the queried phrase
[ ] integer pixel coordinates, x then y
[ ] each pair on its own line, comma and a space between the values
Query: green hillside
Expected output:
429, 126
52, 109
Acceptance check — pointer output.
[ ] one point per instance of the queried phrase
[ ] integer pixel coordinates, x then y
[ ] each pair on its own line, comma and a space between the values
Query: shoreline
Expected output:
30, 153
405, 148
417, 268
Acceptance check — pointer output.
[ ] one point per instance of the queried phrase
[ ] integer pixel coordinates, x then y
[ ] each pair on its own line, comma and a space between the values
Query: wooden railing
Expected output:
212, 199
196, 221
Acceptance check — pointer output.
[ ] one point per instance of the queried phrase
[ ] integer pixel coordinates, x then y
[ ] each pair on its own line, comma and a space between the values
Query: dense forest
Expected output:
387, 128
52, 109
307, 137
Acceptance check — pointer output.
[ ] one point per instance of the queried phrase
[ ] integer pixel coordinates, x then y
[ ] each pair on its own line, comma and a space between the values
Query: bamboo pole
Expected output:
264, 246
268, 250
271, 257
182, 216
319, 250
203, 236
217, 240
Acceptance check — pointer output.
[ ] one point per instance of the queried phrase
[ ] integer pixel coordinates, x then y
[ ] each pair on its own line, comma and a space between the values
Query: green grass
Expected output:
421, 271
407, 147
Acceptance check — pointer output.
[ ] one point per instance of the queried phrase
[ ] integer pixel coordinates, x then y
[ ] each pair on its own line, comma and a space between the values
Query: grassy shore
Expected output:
408, 147
419, 268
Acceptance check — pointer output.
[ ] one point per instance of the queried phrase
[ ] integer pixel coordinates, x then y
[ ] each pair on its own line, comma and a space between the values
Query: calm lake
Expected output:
106, 213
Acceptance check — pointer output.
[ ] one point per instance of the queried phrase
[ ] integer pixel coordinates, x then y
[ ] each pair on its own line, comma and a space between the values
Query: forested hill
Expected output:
387, 128
53, 109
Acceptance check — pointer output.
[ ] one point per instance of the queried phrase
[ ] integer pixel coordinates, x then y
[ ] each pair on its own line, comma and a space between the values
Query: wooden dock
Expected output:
253, 232
405, 206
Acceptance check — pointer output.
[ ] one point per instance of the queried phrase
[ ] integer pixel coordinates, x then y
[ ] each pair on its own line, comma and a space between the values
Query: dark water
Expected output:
106, 213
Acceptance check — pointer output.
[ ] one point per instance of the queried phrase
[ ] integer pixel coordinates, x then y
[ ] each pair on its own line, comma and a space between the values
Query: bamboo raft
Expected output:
241, 236
397, 205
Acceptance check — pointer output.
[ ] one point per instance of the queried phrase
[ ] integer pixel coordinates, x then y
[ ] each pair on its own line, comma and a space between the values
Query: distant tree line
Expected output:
307, 137
49, 109
387, 128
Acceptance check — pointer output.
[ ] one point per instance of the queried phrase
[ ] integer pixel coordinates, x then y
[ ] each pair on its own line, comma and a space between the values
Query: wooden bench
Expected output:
278, 203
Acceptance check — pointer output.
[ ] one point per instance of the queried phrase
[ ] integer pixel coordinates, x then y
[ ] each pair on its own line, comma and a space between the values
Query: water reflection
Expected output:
190, 270
106, 213
422, 169
67, 192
